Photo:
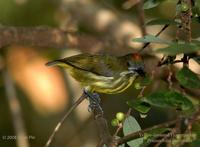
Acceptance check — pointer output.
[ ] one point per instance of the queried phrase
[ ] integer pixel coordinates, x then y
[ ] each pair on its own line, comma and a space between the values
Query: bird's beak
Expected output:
141, 72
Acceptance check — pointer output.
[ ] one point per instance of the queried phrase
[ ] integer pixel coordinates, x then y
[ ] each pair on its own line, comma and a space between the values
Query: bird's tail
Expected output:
54, 62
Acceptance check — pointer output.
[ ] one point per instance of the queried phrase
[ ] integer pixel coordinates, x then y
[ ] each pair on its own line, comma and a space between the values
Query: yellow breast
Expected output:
102, 84
113, 86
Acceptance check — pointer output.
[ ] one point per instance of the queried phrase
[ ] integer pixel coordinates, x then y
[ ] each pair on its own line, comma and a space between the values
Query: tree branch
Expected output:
49, 37
141, 133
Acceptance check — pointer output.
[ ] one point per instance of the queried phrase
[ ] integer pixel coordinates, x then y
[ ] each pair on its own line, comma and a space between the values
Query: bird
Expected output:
99, 74
103, 73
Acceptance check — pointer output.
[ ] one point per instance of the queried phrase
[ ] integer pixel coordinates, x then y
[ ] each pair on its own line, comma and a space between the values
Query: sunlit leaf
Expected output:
139, 105
169, 99
187, 78
162, 22
131, 126
151, 38
178, 48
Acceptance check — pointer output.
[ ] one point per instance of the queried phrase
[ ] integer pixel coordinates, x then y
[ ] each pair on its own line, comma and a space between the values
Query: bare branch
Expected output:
49, 37
34, 36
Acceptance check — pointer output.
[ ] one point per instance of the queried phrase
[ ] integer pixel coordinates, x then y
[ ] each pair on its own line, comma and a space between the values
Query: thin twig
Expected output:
16, 112
170, 134
82, 97
191, 121
158, 34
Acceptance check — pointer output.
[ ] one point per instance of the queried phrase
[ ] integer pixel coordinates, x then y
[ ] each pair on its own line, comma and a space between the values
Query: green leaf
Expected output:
139, 105
187, 78
162, 22
151, 38
151, 4
178, 48
169, 99
131, 126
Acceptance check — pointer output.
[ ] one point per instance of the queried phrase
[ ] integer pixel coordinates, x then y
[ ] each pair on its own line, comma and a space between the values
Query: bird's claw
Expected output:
97, 97
94, 106
94, 100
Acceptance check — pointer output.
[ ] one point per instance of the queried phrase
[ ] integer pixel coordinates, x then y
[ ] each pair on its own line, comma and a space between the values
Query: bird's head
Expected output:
135, 63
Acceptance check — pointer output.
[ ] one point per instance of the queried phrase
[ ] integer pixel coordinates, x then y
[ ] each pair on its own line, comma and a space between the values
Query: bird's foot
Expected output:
95, 107
94, 100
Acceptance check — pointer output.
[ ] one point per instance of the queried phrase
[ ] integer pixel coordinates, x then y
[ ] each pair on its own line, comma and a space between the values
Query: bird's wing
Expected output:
97, 64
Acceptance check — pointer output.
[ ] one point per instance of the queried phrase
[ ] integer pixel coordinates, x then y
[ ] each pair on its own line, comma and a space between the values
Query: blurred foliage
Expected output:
106, 20
28, 13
